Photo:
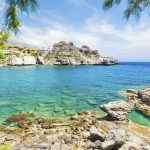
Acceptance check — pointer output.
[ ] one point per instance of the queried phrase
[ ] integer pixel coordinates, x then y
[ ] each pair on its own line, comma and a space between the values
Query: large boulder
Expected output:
117, 110
115, 139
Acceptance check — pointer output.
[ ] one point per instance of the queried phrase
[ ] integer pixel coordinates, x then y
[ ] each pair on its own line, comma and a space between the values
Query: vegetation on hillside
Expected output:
4, 35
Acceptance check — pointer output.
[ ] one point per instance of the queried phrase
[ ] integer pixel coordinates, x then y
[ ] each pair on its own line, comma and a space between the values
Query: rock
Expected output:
115, 139
117, 110
133, 146
95, 134
109, 61
29, 60
97, 144
140, 99
16, 61
62, 53
67, 54
9, 137
56, 146
20, 61
130, 91
120, 136
40, 60
144, 95
2, 140
85, 135
43, 146
107, 145
71, 43
66, 137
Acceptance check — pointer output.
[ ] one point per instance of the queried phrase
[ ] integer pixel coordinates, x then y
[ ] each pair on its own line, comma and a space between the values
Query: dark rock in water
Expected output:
19, 117
49, 102
92, 102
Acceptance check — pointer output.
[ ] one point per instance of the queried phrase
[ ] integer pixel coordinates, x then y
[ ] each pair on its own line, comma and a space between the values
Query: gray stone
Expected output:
117, 110
43, 146
9, 137
56, 146
66, 137
95, 134
115, 139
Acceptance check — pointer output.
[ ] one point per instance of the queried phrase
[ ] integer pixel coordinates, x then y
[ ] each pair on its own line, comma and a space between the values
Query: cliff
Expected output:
64, 53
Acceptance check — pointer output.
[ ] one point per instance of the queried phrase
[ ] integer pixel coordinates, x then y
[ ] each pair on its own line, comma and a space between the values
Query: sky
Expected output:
84, 22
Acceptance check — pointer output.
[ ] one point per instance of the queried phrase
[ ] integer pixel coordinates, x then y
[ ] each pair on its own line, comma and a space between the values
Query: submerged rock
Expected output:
117, 110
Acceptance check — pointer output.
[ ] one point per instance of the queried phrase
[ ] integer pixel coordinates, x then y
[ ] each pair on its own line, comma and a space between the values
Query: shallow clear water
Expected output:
61, 91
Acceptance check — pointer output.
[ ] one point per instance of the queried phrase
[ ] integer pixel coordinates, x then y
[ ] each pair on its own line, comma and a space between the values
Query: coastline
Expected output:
86, 130
45, 129
62, 53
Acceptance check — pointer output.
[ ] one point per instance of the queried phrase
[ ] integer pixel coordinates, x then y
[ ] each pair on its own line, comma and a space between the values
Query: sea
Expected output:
63, 91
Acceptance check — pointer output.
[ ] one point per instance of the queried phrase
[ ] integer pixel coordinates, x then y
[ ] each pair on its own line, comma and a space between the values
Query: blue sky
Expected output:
85, 23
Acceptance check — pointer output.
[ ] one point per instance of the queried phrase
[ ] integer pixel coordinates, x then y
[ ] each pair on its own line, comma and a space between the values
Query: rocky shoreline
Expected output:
87, 130
140, 99
62, 53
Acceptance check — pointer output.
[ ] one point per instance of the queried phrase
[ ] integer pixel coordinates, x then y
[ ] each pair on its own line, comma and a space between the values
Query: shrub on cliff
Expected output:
34, 53
2, 55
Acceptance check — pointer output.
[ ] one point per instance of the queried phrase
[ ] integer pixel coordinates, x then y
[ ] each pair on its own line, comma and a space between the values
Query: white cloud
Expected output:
50, 35
128, 42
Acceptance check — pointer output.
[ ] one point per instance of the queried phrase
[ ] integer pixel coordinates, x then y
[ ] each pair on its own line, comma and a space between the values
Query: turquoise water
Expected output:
62, 91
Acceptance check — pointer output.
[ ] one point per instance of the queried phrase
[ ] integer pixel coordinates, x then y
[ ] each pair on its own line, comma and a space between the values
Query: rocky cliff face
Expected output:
67, 54
62, 53
22, 61
140, 99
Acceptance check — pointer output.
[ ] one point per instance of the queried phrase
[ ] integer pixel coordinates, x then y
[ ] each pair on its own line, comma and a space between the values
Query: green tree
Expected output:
4, 35
14, 8
134, 7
